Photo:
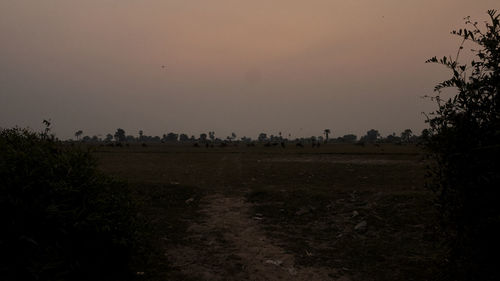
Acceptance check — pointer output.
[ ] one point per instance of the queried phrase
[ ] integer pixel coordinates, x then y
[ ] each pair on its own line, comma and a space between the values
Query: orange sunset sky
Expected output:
296, 67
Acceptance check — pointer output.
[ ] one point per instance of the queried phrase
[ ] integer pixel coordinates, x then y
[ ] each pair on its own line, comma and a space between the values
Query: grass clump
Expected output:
61, 218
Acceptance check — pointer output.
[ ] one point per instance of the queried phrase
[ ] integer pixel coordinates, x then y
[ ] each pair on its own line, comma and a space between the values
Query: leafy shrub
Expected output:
464, 141
61, 218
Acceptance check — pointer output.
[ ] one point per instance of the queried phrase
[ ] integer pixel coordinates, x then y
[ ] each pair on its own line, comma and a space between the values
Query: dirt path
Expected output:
229, 245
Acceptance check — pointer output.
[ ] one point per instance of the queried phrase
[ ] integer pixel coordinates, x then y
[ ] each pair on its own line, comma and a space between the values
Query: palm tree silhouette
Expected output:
326, 132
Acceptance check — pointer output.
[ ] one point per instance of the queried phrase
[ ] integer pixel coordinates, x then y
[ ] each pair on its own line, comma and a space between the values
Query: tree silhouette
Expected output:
326, 132
464, 142
371, 136
406, 135
203, 137
170, 137
350, 138
183, 138
62, 218
109, 137
120, 135
262, 137
78, 134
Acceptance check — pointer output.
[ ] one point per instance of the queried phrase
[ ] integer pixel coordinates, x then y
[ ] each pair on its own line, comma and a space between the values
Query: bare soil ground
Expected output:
340, 212
236, 247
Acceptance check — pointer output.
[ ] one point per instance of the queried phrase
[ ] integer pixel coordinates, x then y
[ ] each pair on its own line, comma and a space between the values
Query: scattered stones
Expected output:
354, 196
301, 211
361, 226
258, 216
354, 214
274, 262
292, 271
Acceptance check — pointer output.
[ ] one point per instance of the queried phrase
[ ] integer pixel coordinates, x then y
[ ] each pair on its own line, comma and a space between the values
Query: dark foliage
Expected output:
464, 141
61, 218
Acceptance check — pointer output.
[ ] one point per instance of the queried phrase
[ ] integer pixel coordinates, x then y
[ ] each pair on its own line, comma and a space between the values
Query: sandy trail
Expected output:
228, 244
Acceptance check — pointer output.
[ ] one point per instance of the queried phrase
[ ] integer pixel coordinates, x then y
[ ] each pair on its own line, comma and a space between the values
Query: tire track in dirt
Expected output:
230, 245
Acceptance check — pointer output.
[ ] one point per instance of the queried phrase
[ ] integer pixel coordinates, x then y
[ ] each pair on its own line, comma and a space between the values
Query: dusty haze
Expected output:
296, 67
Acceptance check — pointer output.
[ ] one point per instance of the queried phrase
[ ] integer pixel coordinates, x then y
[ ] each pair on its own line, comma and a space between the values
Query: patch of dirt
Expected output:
343, 159
229, 244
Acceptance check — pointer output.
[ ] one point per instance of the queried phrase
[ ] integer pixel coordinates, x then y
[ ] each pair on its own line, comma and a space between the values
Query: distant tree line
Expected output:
371, 136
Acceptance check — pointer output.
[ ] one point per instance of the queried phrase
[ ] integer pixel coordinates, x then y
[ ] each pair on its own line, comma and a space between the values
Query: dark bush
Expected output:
61, 218
464, 142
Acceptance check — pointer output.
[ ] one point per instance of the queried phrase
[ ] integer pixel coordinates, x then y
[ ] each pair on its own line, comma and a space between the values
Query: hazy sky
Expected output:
231, 65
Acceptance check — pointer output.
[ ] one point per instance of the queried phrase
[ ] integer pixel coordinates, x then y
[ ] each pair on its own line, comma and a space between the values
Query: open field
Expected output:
338, 212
